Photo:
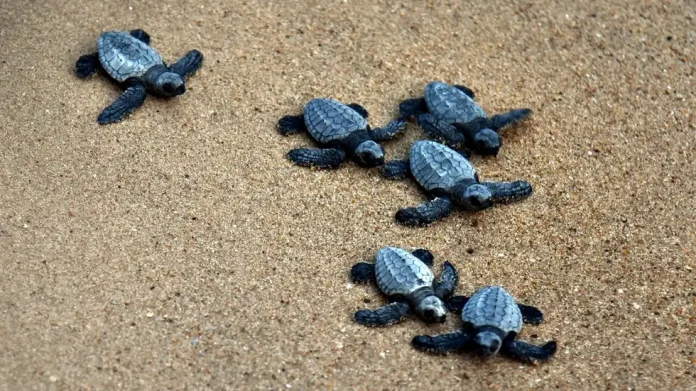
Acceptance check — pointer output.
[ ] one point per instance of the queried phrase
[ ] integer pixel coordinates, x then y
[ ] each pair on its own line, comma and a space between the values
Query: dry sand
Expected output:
179, 249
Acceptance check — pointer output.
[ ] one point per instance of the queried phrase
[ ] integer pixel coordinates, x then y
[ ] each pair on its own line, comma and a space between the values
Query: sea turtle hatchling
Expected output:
450, 178
342, 129
406, 279
449, 113
130, 60
492, 320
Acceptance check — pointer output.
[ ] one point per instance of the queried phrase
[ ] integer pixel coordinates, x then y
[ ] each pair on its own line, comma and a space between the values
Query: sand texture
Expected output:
180, 249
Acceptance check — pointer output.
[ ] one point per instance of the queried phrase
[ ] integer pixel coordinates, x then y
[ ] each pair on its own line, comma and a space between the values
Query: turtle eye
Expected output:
429, 314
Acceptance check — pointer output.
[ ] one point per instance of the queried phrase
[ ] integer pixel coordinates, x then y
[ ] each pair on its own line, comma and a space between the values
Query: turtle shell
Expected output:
398, 272
450, 104
436, 166
123, 56
330, 120
493, 306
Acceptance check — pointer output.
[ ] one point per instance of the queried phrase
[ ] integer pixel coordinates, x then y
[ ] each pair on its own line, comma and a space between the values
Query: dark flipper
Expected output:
319, 158
189, 64
141, 35
509, 191
396, 169
291, 124
383, 316
457, 303
530, 314
424, 255
425, 214
413, 107
388, 132
362, 272
132, 98
441, 130
86, 65
510, 118
465, 90
448, 282
442, 343
361, 110
527, 352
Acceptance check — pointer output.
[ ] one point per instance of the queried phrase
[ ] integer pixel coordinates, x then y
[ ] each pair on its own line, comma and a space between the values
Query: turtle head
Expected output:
474, 197
170, 84
488, 343
487, 142
369, 154
432, 310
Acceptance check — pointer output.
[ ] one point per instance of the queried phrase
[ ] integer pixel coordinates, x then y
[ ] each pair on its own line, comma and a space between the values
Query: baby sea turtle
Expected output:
449, 112
406, 279
492, 320
450, 178
341, 129
129, 59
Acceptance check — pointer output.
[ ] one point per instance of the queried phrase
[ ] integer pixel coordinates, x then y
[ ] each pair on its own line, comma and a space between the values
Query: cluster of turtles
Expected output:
492, 318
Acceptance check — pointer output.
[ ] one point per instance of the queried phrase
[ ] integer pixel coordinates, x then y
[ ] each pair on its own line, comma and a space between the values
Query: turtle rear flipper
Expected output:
189, 64
383, 316
457, 303
86, 65
396, 169
443, 343
319, 158
291, 124
465, 90
359, 109
512, 117
425, 214
527, 352
413, 107
441, 130
448, 282
531, 314
141, 35
132, 98
424, 256
362, 272
388, 132
508, 191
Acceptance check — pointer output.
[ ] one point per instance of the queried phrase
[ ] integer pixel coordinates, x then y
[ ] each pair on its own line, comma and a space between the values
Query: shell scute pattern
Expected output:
493, 306
398, 272
124, 56
437, 167
451, 104
330, 120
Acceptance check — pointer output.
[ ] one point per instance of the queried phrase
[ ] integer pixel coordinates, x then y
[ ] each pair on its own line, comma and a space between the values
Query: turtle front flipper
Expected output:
141, 35
443, 343
413, 107
132, 98
362, 272
503, 192
424, 256
448, 282
441, 130
465, 90
359, 109
396, 169
425, 214
530, 314
188, 64
457, 303
388, 132
86, 65
383, 316
512, 117
527, 352
319, 158
291, 124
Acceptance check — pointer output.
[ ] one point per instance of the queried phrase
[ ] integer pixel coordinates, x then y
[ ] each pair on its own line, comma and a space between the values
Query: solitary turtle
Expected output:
450, 178
492, 320
406, 279
449, 112
130, 60
341, 129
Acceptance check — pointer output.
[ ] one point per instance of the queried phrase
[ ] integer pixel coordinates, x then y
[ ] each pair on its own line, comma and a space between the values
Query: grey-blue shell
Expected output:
436, 166
123, 56
493, 306
330, 120
398, 272
449, 104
